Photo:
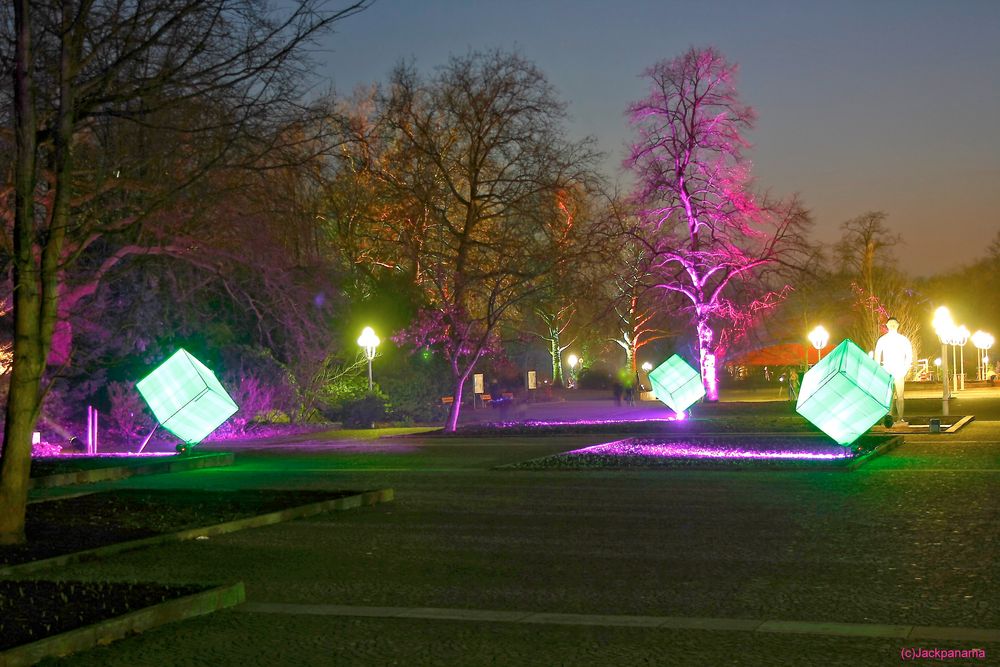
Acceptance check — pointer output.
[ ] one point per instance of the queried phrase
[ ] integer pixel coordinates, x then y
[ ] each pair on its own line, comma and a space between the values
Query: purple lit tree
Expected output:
82, 70
712, 241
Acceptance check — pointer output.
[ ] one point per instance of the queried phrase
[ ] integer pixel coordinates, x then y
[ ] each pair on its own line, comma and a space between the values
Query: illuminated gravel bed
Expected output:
711, 452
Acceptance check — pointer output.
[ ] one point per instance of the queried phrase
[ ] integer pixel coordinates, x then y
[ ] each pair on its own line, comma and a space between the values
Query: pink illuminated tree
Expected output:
713, 242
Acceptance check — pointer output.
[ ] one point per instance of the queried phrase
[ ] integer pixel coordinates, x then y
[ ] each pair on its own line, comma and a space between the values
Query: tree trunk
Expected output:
22, 413
706, 360
456, 406
556, 354
28, 363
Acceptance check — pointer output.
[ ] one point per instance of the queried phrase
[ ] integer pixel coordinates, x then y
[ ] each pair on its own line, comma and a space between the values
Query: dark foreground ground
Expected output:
912, 538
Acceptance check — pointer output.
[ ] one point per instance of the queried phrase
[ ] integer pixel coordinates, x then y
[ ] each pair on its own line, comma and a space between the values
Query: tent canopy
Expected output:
786, 354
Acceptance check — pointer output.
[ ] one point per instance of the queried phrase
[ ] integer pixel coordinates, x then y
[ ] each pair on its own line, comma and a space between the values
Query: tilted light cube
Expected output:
845, 393
676, 384
186, 397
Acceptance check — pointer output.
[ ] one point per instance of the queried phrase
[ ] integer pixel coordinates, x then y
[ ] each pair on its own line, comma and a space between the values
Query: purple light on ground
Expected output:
584, 422
647, 449
107, 455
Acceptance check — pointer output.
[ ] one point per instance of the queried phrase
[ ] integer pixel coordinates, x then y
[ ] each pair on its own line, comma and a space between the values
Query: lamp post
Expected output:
572, 360
369, 341
983, 342
961, 338
819, 337
943, 324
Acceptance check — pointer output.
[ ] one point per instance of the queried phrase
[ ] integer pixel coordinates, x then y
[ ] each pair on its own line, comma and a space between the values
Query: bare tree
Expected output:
78, 65
475, 161
702, 223
878, 290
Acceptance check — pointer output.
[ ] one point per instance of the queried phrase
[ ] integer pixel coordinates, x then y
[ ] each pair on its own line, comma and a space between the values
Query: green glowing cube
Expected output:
845, 393
676, 384
186, 397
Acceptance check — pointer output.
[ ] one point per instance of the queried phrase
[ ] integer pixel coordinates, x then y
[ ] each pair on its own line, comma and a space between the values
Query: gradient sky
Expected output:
886, 105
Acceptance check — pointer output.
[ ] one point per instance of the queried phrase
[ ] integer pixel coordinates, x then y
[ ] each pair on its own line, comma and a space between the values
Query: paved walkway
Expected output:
472, 565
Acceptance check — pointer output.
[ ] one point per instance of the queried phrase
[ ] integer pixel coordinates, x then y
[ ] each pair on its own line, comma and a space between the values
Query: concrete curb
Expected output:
171, 464
116, 628
334, 504
957, 426
832, 629
884, 448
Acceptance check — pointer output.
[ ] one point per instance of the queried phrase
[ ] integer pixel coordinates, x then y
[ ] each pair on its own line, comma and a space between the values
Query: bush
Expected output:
591, 378
415, 384
129, 413
255, 398
364, 412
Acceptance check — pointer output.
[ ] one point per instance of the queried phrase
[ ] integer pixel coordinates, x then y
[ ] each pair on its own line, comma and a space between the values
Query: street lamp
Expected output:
646, 366
961, 338
943, 324
572, 360
369, 341
819, 337
983, 342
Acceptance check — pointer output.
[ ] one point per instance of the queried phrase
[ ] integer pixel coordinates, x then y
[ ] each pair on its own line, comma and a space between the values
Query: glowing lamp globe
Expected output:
676, 384
846, 393
186, 397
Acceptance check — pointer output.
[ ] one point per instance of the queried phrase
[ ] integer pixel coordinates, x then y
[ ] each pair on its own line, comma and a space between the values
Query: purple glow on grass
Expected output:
584, 422
647, 449
105, 455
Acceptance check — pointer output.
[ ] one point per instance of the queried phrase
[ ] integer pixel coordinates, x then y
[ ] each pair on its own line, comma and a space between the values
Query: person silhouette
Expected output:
894, 352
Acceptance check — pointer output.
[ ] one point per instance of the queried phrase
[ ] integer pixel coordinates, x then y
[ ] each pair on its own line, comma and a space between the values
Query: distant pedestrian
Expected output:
616, 389
793, 383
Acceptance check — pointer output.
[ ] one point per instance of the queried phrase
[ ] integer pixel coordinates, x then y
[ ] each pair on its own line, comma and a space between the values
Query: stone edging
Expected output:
884, 448
109, 473
116, 628
833, 629
334, 504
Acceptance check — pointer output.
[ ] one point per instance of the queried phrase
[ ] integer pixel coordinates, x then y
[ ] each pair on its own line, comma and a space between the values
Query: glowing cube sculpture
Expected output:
676, 384
186, 397
845, 393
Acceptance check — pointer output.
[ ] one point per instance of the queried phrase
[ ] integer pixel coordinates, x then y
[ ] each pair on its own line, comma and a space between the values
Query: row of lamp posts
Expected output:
944, 326
950, 334
957, 336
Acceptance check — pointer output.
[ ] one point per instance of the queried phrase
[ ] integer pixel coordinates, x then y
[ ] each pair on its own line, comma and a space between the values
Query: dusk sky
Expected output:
886, 105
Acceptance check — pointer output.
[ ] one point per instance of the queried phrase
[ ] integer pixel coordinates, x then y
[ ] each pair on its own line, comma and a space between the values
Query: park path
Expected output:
910, 540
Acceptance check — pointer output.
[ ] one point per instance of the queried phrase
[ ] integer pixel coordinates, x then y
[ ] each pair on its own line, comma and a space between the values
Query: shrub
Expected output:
365, 411
253, 396
129, 415
591, 378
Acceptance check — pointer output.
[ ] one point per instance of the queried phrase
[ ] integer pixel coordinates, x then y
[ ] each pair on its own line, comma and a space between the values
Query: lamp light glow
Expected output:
819, 337
369, 341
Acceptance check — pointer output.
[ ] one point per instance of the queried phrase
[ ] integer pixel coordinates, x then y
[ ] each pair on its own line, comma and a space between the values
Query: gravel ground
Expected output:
308, 641
911, 538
